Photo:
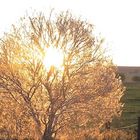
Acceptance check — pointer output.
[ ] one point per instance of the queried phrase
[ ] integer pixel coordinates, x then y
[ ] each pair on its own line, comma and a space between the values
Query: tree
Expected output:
122, 75
84, 92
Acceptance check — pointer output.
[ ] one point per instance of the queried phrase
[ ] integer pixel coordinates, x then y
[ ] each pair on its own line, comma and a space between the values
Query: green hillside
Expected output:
131, 110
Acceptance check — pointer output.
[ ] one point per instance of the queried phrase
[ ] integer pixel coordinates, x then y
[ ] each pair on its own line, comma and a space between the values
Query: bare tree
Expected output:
85, 90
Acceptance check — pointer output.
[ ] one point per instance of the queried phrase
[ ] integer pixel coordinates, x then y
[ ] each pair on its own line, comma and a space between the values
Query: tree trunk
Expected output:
48, 130
47, 135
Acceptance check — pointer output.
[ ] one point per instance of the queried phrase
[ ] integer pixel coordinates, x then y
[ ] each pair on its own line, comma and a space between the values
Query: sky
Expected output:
118, 21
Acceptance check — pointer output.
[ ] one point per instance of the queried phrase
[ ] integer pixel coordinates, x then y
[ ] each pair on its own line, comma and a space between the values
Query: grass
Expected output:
131, 110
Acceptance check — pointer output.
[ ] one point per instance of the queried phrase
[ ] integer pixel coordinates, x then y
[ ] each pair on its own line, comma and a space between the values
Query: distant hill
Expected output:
129, 74
131, 98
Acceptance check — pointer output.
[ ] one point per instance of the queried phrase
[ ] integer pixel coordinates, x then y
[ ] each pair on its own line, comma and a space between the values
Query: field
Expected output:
131, 110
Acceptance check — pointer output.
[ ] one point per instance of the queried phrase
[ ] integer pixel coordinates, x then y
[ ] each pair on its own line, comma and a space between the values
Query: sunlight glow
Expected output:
53, 57
120, 27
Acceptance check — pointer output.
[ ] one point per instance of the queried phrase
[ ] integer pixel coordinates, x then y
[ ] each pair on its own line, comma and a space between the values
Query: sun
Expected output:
53, 57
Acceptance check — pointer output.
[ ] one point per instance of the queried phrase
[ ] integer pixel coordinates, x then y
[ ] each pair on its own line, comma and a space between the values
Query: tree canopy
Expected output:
82, 94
